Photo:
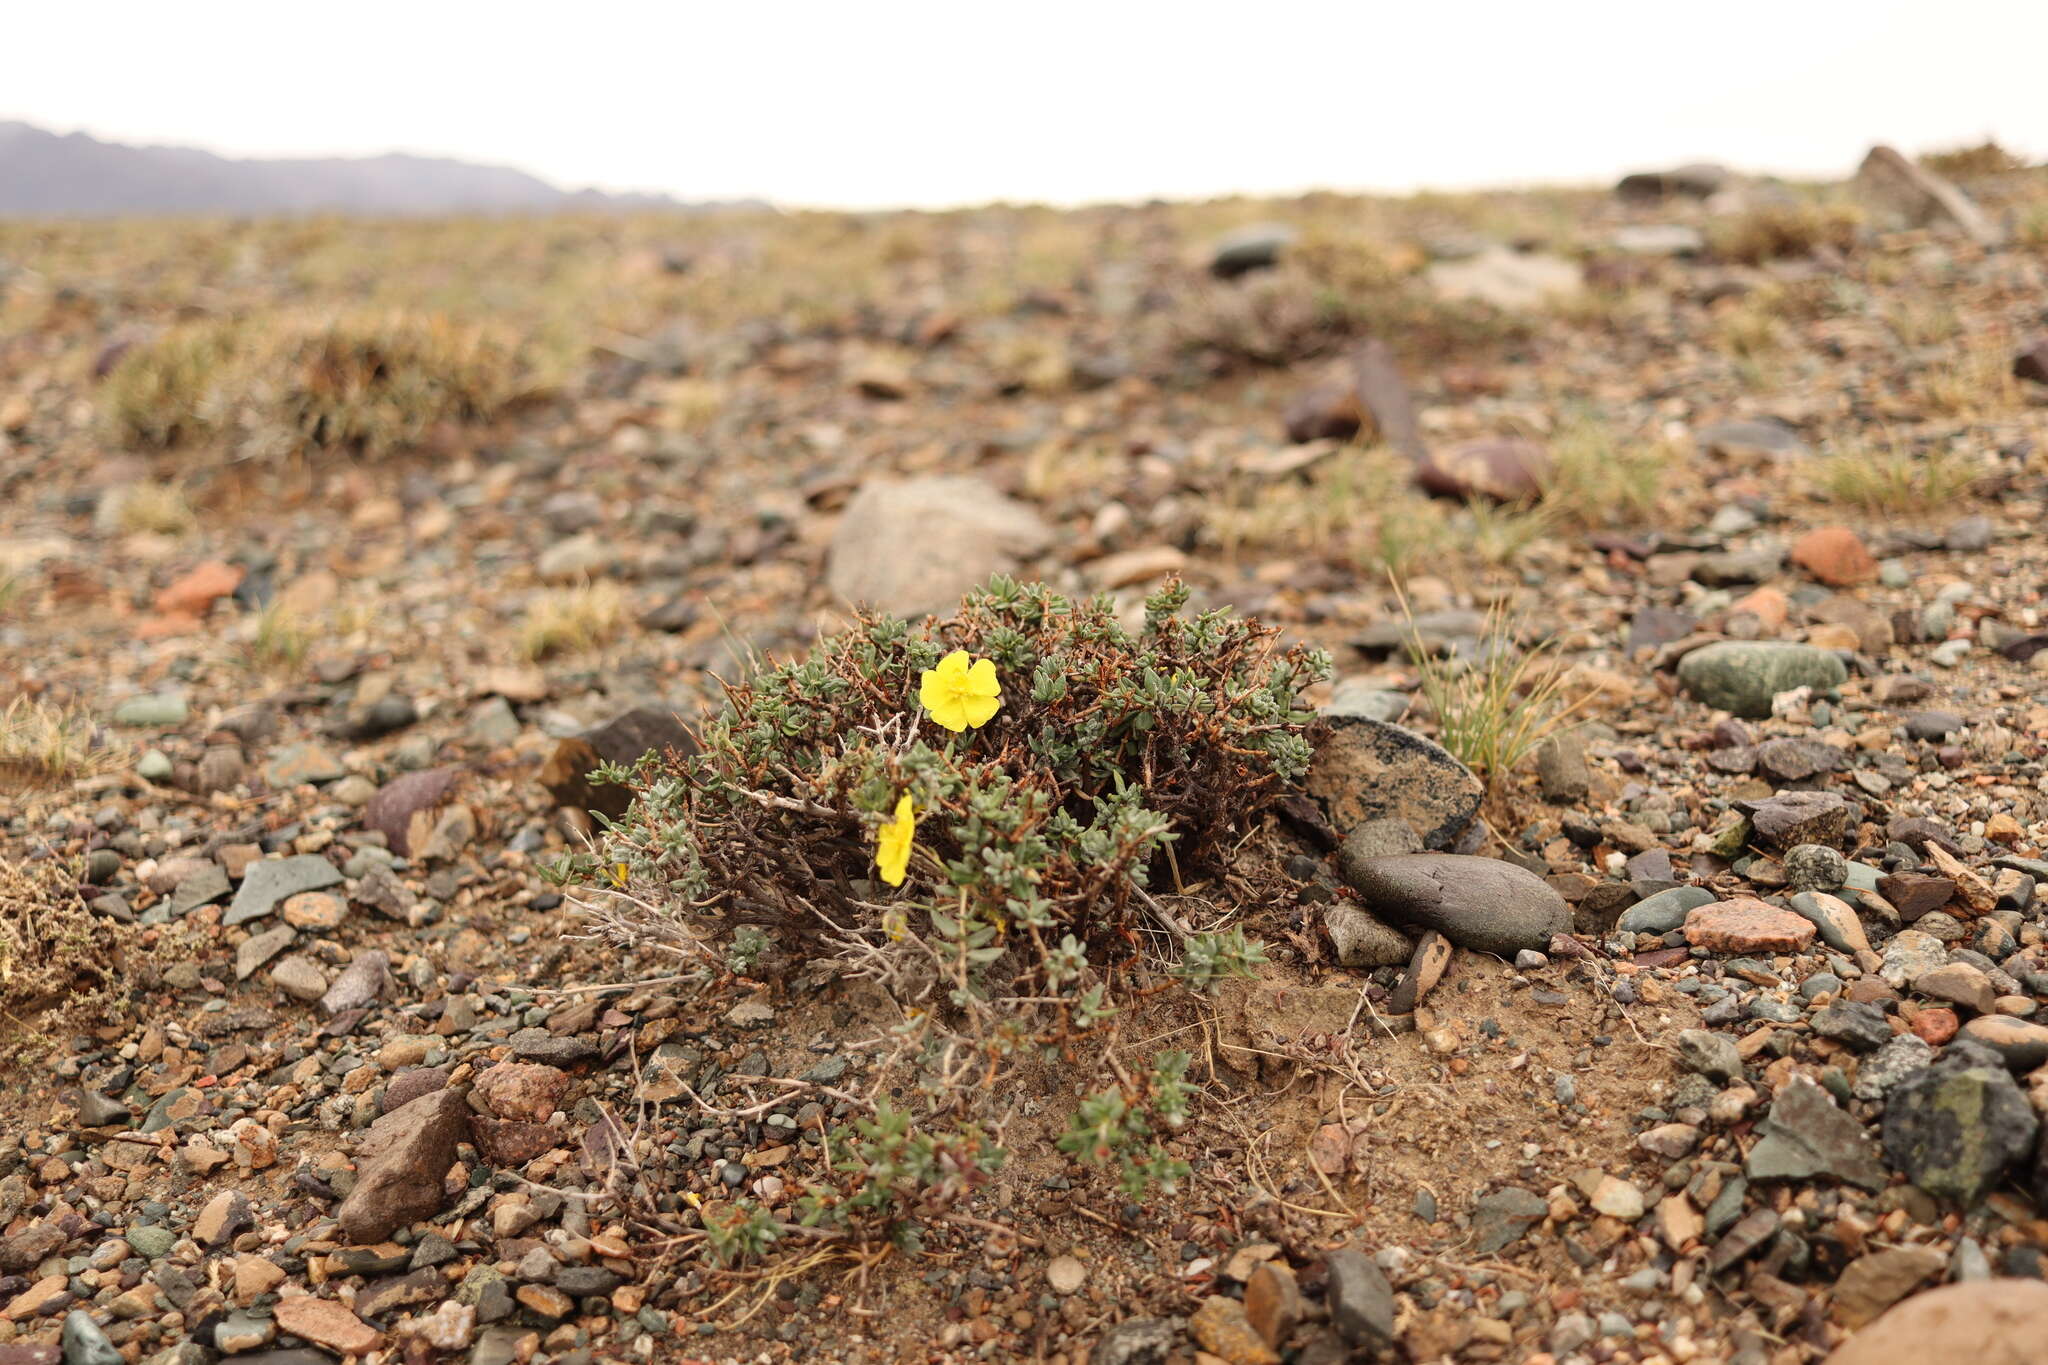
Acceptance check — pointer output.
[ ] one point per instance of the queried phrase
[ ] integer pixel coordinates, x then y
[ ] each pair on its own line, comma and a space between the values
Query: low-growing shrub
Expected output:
1773, 232
270, 387
982, 842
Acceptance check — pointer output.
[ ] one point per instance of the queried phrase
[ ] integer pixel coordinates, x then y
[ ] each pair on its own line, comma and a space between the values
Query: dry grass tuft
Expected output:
1894, 479
1494, 710
1599, 477
280, 386
571, 620
279, 639
41, 741
1775, 232
154, 509
1969, 163
1976, 382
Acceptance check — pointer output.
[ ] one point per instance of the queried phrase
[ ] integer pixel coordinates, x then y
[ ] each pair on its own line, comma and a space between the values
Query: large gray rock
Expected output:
1477, 903
1741, 676
1955, 1130
1369, 770
914, 547
1907, 194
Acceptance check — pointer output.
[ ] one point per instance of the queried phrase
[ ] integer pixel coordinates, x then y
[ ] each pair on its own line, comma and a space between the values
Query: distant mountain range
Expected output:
58, 175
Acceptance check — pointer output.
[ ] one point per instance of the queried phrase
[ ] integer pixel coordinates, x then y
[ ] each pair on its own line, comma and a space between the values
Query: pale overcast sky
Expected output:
903, 102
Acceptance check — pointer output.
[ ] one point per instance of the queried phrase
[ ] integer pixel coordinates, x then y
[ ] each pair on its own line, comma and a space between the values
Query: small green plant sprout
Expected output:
737, 1231
1493, 710
1209, 958
1123, 1126
892, 1174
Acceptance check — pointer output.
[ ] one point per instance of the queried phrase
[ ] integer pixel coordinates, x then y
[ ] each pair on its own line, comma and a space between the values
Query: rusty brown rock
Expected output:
1983, 1322
1747, 925
530, 1091
402, 1163
393, 810
1425, 969
1501, 468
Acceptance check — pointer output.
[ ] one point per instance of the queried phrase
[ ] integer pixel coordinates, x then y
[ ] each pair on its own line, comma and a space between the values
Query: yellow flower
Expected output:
960, 694
892, 843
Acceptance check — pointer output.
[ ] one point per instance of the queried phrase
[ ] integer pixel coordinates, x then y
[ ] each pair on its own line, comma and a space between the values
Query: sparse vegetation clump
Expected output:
1000, 847
1601, 477
571, 620
278, 387
44, 741
1493, 710
1895, 479
1775, 232
59, 962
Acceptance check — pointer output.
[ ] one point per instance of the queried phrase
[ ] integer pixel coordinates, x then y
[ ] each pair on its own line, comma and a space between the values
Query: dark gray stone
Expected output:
85, 1343
1502, 1217
1361, 1301
1853, 1024
1713, 1055
1807, 1134
1366, 770
276, 879
1478, 903
1954, 1131
1665, 911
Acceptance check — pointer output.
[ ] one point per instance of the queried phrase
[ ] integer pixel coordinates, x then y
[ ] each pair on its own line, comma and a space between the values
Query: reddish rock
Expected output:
511, 1143
1272, 1303
1936, 1026
402, 1164
2032, 363
1834, 555
409, 1085
1770, 607
392, 810
1915, 894
1983, 1322
1745, 925
528, 1091
327, 1324
194, 593
1504, 469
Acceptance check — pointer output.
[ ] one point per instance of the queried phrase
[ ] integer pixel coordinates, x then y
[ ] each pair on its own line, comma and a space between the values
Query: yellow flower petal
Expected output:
957, 694
893, 841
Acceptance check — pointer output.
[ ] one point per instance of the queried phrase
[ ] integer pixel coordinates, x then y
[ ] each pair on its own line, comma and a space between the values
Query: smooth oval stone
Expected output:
1838, 925
1478, 903
2023, 1045
1665, 911
1366, 769
1984, 1320
1742, 676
